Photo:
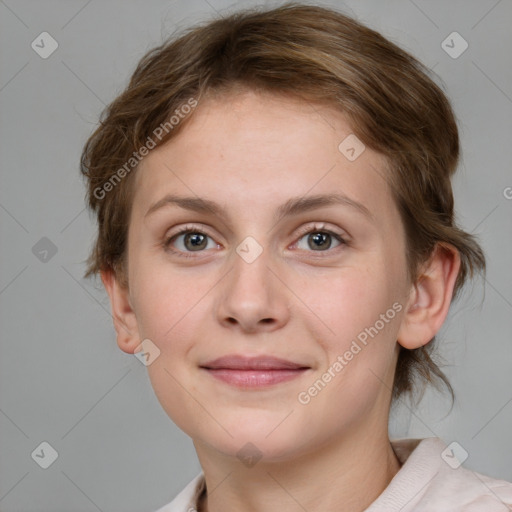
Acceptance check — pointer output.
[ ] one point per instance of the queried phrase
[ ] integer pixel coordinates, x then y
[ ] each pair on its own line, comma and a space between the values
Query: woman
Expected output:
277, 239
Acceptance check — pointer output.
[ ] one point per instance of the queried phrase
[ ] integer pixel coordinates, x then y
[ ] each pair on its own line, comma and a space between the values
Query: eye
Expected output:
318, 239
187, 240
191, 239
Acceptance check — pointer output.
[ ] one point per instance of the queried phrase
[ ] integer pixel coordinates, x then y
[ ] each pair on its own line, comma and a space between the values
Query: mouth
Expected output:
253, 372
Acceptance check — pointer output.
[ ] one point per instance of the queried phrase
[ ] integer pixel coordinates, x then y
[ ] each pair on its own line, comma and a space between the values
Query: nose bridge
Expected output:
251, 280
252, 297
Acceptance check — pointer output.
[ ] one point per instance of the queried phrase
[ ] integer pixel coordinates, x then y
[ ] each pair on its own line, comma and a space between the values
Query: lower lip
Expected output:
254, 378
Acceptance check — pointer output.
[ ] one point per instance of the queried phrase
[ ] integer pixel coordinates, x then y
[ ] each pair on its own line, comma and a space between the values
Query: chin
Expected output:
256, 435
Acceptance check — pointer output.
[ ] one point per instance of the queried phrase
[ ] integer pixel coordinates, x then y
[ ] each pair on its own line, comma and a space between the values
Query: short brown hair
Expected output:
320, 56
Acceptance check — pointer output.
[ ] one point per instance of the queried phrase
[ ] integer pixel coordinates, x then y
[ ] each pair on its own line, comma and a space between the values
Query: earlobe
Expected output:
430, 298
125, 322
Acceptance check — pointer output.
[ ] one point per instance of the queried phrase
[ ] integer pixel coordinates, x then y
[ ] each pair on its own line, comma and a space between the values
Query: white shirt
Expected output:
424, 483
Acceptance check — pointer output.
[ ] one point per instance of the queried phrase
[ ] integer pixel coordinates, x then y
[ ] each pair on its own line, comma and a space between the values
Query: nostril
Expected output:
234, 321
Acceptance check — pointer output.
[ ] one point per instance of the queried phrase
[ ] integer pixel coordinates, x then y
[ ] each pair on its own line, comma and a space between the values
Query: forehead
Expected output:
255, 149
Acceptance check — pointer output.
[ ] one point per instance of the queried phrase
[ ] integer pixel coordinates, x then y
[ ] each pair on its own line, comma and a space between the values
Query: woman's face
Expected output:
275, 272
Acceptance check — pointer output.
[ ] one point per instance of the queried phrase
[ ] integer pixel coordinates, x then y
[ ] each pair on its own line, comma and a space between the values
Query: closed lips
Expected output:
254, 363
256, 373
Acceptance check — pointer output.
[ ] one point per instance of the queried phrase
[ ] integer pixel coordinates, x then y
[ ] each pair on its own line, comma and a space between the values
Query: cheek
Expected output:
360, 317
169, 312
347, 302
161, 297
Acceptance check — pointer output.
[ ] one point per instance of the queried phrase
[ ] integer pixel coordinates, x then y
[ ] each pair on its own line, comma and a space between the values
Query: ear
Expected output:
430, 298
125, 322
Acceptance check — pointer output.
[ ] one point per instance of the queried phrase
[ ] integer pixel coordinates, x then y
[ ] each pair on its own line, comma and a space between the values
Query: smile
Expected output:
254, 372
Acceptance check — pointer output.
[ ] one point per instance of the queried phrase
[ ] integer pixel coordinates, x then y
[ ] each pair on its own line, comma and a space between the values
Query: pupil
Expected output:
197, 241
321, 239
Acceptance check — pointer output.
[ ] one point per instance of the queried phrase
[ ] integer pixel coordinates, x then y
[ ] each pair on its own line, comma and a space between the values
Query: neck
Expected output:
348, 474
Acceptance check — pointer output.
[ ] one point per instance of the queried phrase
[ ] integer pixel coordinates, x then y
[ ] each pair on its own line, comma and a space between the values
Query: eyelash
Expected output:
195, 229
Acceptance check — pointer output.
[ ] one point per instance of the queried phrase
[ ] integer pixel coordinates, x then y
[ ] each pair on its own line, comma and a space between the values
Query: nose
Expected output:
252, 298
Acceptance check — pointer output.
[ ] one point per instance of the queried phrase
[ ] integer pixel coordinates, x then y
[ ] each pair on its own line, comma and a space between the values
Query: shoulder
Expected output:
431, 478
186, 500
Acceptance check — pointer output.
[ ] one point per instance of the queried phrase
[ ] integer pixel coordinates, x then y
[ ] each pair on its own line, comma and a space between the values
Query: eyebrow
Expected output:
293, 206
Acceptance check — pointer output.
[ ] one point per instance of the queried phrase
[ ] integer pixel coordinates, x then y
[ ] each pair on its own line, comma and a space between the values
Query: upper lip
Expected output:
237, 362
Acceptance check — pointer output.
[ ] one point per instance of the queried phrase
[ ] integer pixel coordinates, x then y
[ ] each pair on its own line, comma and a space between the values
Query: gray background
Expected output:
62, 378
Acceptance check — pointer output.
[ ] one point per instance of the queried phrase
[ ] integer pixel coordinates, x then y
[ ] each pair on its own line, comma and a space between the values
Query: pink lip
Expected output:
250, 372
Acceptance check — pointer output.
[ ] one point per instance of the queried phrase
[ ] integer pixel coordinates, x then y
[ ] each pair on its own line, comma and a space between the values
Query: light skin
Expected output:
250, 153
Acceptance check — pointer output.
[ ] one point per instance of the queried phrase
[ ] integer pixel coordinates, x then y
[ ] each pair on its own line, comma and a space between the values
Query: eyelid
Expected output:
324, 227
201, 228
